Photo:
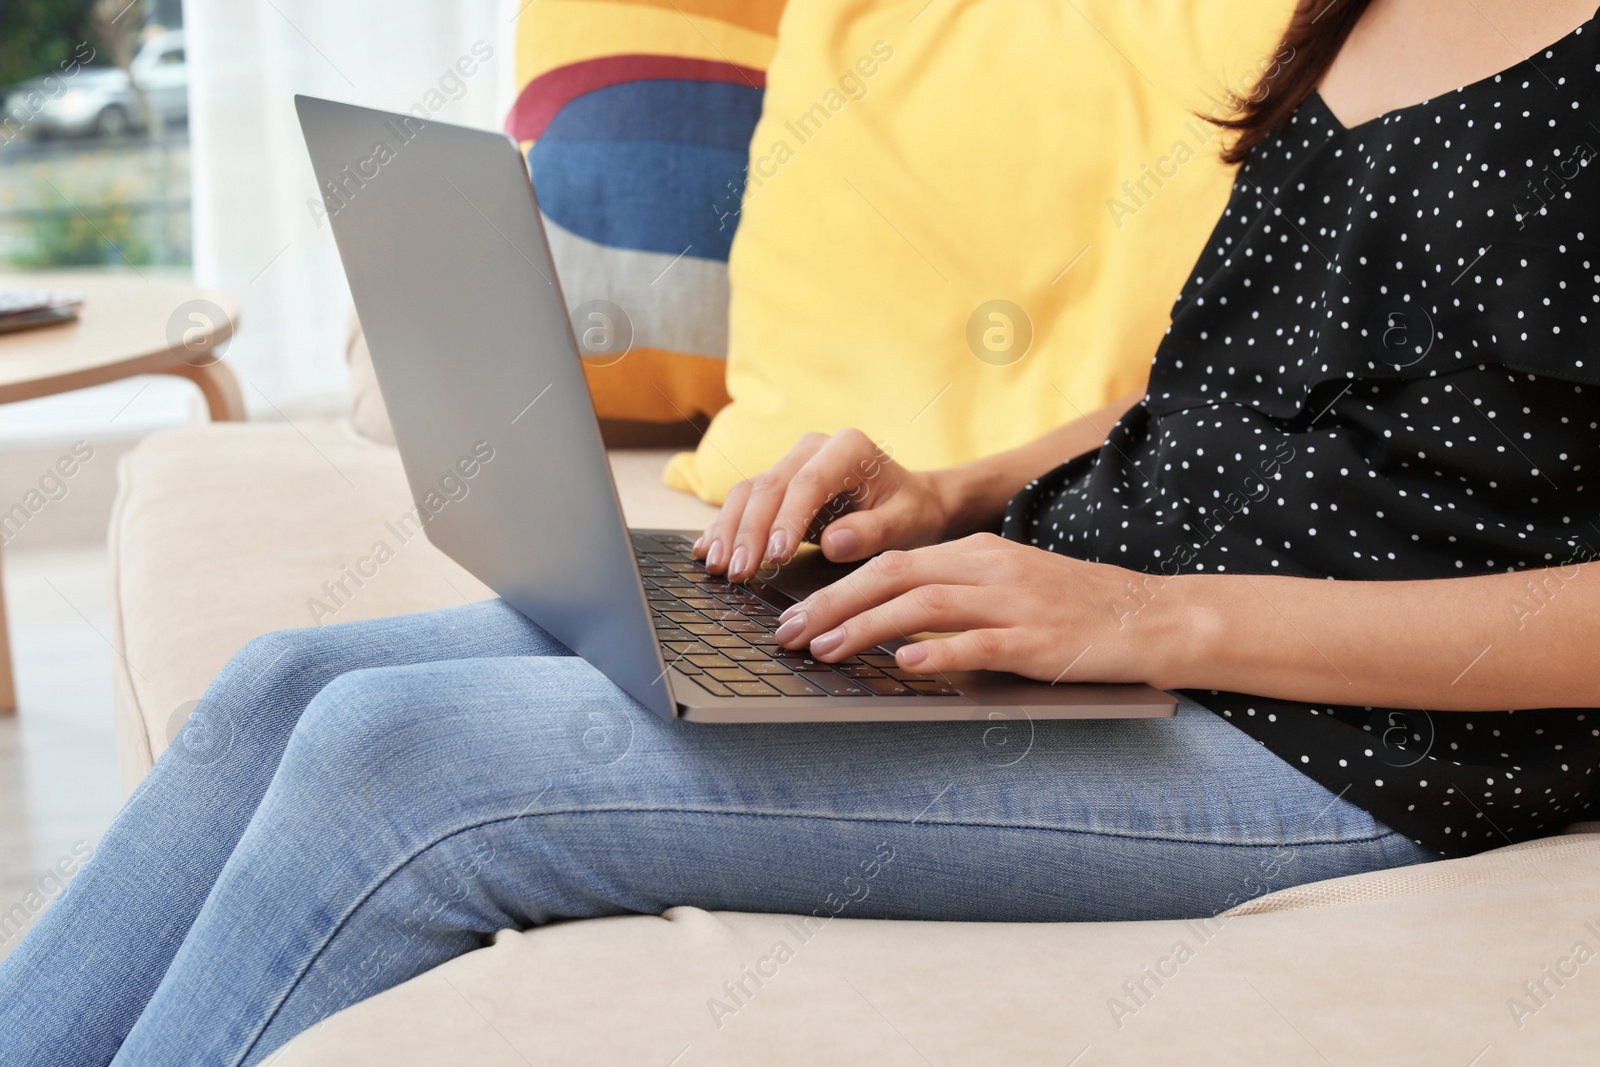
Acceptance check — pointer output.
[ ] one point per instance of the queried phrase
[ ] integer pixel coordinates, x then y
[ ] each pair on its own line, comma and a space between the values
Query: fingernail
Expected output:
715, 557
777, 545
741, 559
791, 611
699, 543
791, 629
911, 655
843, 542
828, 642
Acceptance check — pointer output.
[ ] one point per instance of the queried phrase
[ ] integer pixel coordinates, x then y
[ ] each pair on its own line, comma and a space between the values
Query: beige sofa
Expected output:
225, 532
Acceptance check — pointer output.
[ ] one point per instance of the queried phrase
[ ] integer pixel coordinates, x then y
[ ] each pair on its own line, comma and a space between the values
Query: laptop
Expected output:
442, 241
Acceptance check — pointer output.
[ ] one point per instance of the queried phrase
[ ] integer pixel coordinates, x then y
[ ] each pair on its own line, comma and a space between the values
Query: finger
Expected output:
775, 527
973, 650
881, 580
720, 531
863, 534
713, 531
835, 480
940, 608
726, 524
748, 542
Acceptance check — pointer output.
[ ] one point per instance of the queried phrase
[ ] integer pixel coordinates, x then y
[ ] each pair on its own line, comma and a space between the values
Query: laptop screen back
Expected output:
447, 260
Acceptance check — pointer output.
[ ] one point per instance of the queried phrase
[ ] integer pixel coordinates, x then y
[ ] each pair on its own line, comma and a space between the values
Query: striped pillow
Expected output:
636, 116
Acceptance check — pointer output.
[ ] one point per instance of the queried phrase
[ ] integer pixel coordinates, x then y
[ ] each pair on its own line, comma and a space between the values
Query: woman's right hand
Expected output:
842, 491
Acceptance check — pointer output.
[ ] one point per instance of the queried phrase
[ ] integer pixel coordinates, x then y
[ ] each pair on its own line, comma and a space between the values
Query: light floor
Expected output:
58, 777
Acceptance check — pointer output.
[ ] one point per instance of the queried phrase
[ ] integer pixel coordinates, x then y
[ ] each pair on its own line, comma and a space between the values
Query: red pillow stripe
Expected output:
547, 94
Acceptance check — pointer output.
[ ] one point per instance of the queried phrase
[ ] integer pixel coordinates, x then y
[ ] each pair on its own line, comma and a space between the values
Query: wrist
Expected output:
968, 500
1191, 639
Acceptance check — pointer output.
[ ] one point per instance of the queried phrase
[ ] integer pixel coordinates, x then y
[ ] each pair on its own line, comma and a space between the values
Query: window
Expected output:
94, 157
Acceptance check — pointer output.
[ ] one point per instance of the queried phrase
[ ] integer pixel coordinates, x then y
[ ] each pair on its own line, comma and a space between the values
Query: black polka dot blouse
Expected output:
1386, 366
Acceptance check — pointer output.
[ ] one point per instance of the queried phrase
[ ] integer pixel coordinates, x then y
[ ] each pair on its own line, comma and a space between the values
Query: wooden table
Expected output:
129, 325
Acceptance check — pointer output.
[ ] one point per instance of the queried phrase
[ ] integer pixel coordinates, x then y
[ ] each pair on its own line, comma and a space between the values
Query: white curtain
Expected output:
253, 232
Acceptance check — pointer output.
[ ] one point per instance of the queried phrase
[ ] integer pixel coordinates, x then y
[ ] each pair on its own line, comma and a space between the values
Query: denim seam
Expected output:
400, 866
947, 822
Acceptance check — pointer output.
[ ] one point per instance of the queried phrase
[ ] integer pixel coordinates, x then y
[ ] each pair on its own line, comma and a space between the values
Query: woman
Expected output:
1378, 372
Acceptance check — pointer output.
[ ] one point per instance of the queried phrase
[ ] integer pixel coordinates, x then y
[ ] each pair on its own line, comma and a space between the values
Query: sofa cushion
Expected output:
637, 117
227, 531
1418, 965
965, 225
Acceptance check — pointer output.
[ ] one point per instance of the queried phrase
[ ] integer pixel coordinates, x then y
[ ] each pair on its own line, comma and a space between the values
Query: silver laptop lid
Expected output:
447, 260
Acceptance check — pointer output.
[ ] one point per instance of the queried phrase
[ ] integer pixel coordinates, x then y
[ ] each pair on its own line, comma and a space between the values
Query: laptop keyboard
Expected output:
720, 634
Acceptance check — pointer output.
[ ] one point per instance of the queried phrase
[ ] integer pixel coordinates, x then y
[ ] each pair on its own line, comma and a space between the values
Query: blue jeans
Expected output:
354, 805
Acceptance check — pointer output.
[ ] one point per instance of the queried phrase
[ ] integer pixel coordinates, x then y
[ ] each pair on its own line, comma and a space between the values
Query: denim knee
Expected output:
272, 662
388, 735
252, 704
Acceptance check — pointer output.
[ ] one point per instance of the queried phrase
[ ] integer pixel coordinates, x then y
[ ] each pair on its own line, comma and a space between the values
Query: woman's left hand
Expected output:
1006, 607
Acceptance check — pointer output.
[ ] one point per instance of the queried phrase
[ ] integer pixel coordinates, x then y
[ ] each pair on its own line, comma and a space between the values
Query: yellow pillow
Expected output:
965, 223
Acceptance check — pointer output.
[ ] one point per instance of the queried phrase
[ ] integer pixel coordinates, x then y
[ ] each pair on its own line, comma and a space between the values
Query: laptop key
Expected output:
710, 661
712, 686
793, 685
703, 629
689, 648
932, 687
834, 684
746, 654
877, 659
752, 689
766, 667
885, 687
684, 617
858, 670
720, 641
731, 674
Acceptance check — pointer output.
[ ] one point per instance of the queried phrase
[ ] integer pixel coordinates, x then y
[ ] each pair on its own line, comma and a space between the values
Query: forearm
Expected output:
976, 493
1521, 640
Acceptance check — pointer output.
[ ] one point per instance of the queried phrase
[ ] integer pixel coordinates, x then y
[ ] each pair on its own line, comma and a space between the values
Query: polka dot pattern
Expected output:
1385, 366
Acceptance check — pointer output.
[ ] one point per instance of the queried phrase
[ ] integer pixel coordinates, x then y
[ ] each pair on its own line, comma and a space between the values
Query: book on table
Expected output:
25, 309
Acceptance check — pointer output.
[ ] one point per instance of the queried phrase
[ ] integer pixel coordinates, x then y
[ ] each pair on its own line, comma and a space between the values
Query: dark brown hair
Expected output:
1317, 30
